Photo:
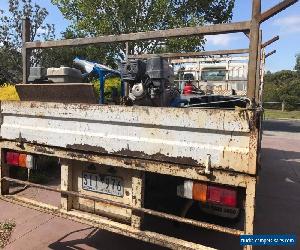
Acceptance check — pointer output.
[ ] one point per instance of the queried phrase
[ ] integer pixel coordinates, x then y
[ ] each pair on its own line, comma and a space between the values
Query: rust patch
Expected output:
137, 154
211, 176
233, 174
74, 155
158, 157
43, 150
86, 147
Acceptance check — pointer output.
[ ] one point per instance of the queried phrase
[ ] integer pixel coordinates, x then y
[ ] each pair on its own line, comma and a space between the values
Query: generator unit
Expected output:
149, 82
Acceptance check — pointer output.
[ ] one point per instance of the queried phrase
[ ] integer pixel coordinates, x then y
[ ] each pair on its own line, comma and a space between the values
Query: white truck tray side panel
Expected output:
185, 136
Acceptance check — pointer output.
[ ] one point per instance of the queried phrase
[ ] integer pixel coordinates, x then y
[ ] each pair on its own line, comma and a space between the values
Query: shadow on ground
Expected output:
99, 239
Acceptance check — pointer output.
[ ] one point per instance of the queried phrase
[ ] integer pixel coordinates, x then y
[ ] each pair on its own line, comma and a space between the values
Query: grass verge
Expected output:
6, 229
278, 114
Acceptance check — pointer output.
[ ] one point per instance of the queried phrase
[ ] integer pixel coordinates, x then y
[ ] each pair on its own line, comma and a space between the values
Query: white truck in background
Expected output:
216, 74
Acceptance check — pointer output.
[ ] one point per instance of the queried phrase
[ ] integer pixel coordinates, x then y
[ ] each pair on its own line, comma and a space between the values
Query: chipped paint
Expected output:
174, 135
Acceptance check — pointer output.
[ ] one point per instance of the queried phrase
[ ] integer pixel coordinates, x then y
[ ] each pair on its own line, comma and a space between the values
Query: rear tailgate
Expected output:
185, 136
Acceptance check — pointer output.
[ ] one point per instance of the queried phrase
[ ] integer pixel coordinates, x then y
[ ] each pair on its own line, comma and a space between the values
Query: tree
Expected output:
103, 17
280, 77
55, 57
283, 86
297, 66
11, 36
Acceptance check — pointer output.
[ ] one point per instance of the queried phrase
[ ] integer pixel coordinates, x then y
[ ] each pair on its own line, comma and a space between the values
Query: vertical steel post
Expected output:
138, 188
25, 52
4, 172
282, 106
258, 69
253, 49
66, 184
249, 208
263, 59
124, 85
126, 51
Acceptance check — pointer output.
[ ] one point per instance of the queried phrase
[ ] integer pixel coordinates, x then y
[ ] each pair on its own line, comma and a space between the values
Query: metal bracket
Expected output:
20, 141
208, 165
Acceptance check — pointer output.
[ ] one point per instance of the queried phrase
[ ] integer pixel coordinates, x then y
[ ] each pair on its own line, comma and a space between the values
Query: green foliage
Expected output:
6, 229
10, 65
11, 36
9, 225
99, 17
280, 77
109, 85
11, 23
278, 114
297, 66
55, 57
283, 86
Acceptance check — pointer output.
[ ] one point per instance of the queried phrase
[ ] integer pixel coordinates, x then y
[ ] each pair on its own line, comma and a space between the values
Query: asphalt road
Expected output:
286, 126
277, 206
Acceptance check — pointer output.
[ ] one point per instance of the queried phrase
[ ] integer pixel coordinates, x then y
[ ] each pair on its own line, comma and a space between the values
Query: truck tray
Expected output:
224, 139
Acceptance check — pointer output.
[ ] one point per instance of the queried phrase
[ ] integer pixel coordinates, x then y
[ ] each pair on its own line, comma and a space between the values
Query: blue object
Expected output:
178, 101
102, 71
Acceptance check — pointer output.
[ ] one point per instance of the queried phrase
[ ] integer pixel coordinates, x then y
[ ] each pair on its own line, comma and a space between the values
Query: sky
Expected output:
285, 24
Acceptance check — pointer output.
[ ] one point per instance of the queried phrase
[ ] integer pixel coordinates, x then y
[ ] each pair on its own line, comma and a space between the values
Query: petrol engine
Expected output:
150, 82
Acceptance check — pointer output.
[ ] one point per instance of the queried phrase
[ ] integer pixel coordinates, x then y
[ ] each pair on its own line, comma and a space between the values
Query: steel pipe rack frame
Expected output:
251, 27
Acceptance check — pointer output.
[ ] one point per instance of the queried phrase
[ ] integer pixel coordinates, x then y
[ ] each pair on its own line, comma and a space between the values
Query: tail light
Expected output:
221, 195
20, 160
208, 193
12, 158
199, 191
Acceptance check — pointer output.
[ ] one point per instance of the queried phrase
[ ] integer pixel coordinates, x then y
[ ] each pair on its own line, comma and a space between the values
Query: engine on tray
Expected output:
150, 82
145, 83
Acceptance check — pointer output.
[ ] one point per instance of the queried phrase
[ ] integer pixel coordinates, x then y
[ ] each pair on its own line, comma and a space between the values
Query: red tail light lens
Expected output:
12, 158
223, 196
20, 160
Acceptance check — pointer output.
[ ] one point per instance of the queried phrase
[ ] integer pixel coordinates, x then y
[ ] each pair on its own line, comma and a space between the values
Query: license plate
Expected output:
104, 184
